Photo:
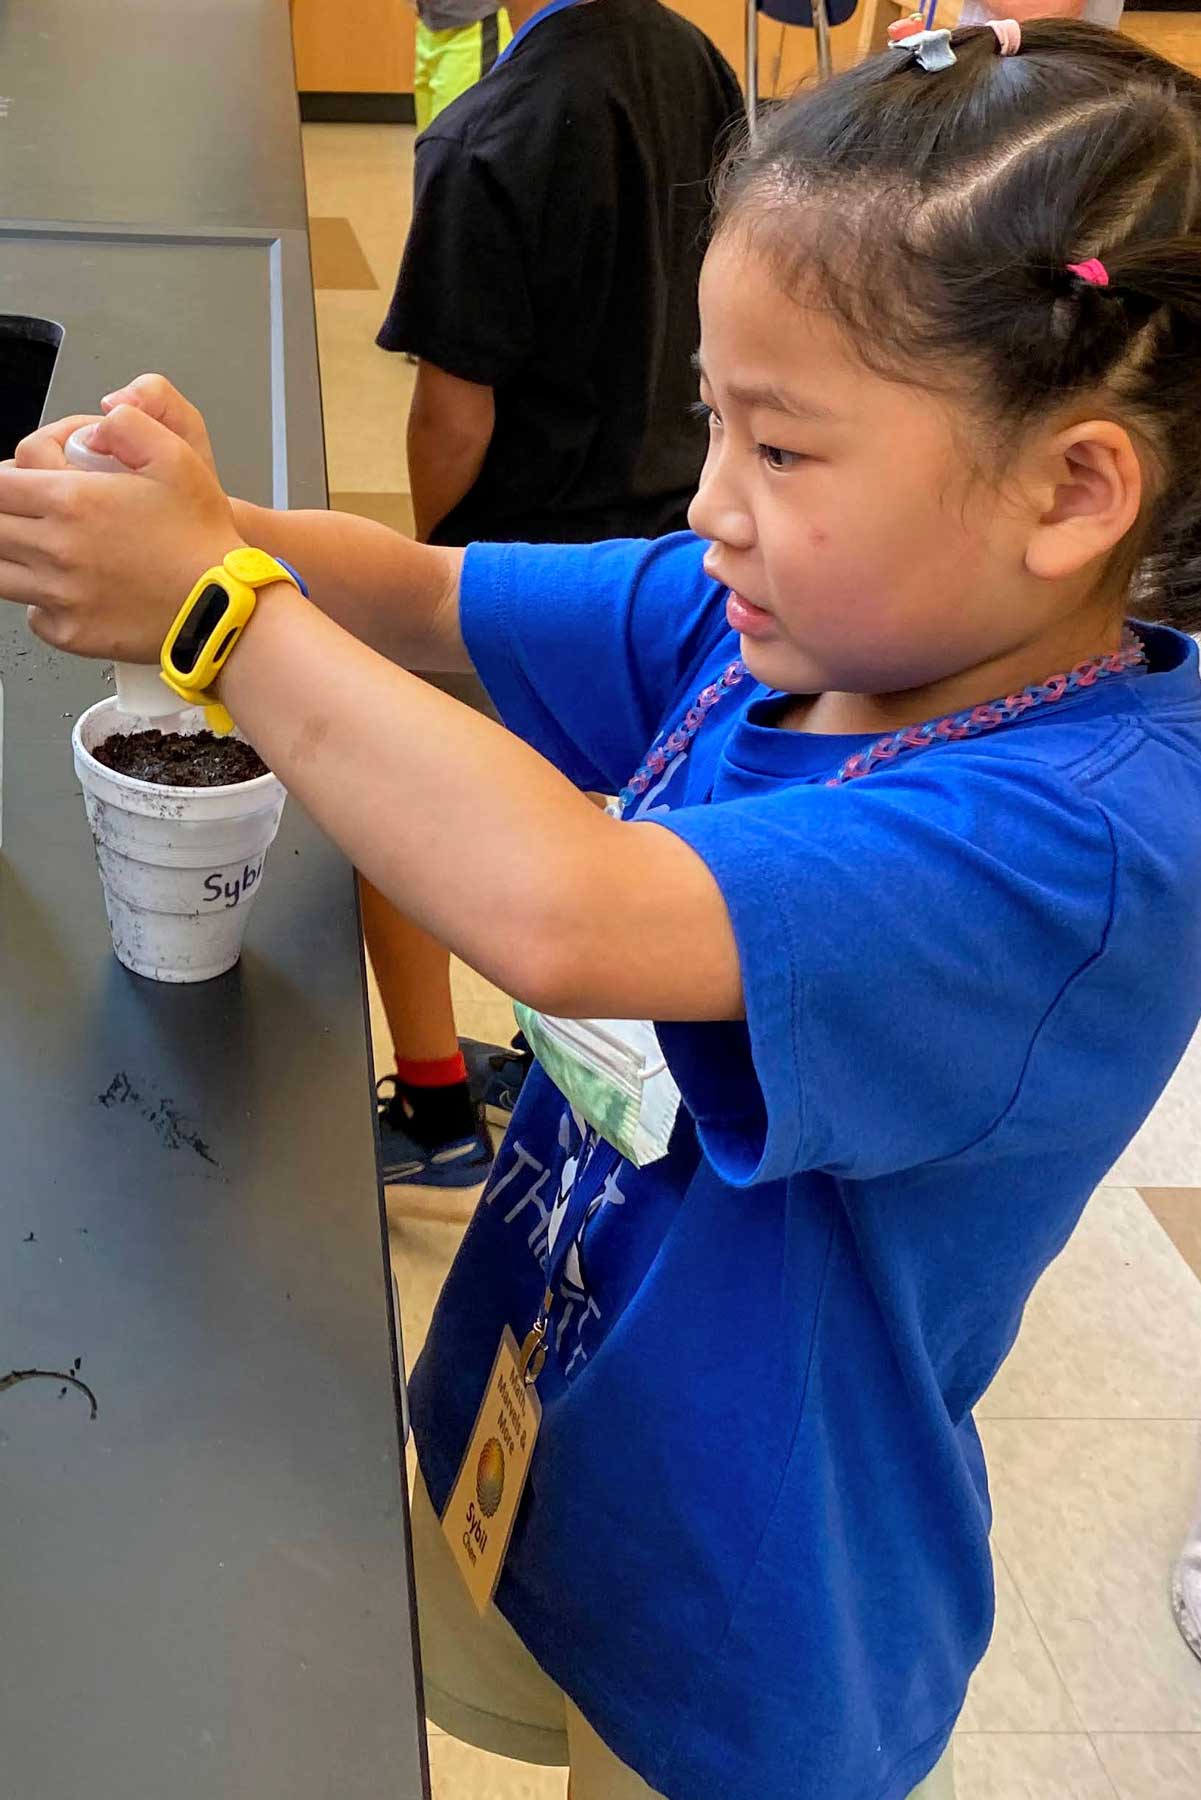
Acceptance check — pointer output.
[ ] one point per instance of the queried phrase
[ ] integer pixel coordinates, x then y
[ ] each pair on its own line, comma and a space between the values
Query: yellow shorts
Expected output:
449, 62
483, 1686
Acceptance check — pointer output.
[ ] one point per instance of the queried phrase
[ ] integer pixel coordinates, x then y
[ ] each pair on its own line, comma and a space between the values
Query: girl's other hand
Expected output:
104, 562
155, 396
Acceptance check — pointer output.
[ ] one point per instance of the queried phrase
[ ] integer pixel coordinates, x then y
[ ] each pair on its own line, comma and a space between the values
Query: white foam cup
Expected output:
180, 867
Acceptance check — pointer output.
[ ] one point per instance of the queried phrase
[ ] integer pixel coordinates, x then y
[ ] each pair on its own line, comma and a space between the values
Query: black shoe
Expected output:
464, 1162
495, 1075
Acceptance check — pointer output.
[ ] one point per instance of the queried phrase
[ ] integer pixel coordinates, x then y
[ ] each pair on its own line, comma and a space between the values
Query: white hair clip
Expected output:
930, 49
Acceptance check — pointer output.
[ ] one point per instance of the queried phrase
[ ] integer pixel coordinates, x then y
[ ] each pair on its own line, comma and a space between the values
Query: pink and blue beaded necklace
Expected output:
951, 728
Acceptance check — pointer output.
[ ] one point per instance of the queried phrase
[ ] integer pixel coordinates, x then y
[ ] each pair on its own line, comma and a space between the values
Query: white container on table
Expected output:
180, 867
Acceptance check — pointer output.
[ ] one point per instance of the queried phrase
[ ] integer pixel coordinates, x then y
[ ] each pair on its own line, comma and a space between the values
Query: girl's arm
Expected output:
400, 597
462, 825
475, 836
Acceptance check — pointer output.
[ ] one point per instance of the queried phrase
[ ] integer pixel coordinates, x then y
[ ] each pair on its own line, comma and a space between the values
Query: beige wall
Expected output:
375, 53
367, 47
353, 46
1174, 35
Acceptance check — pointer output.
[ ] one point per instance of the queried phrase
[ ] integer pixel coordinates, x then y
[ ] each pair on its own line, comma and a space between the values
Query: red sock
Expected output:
443, 1071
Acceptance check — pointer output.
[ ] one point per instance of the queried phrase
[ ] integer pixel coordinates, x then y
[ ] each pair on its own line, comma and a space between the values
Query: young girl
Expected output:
907, 873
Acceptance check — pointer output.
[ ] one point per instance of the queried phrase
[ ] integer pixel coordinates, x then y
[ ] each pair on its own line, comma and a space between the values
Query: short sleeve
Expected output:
584, 648
903, 942
461, 300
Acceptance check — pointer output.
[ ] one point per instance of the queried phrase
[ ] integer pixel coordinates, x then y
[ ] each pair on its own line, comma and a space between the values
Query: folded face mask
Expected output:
614, 1074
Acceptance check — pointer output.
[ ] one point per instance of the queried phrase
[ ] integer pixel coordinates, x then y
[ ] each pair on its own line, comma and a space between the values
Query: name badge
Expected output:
479, 1516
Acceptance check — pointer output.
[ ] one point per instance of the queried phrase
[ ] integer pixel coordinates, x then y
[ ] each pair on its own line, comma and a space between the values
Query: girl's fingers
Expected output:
26, 494
158, 399
31, 545
20, 585
43, 449
155, 395
47, 625
23, 547
33, 568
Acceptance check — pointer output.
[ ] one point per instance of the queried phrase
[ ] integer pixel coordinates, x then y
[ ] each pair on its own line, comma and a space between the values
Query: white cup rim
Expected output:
257, 783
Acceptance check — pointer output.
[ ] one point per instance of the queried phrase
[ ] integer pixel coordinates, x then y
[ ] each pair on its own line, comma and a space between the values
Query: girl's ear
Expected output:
1090, 484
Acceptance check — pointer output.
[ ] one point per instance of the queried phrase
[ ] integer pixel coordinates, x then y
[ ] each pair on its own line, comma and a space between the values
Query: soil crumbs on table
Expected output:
173, 759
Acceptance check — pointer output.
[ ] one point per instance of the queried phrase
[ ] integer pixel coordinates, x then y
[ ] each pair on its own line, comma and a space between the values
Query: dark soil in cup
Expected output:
171, 759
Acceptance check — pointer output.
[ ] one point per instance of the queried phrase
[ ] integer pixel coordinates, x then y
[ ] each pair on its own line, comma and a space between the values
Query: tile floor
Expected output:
1093, 1428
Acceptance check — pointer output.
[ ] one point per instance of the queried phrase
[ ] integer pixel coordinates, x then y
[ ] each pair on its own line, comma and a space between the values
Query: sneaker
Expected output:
495, 1074
464, 1162
1186, 1595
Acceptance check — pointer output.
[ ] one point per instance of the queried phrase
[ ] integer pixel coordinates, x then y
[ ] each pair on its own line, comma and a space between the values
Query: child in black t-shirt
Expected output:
548, 293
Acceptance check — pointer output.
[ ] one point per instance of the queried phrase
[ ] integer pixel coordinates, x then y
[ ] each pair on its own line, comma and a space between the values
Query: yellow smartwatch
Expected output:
209, 624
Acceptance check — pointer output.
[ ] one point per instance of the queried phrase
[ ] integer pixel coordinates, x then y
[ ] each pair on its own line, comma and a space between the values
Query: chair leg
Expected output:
821, 33
752, 65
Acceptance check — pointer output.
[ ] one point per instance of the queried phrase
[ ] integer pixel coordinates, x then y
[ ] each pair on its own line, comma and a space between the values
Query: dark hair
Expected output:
936, 213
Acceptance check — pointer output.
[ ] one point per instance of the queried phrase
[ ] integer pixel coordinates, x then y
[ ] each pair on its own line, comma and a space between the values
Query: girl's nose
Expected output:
717, 512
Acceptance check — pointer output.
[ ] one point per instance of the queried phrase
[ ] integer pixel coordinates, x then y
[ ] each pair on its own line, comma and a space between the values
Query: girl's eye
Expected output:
700, 409
781, 460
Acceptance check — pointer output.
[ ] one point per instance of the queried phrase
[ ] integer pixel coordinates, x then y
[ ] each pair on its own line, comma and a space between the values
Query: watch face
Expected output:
204, 618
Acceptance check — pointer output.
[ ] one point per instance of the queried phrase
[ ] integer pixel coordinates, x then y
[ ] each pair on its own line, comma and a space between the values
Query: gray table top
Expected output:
204, 1591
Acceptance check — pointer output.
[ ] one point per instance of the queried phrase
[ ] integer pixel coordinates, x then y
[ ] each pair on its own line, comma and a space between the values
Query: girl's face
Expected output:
863, 554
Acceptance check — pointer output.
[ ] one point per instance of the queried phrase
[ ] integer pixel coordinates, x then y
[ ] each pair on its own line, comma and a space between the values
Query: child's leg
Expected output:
412, 971
428, 1129
460, 64
483, 1686
424, 59
596, 1774
940, 1782
481, 1683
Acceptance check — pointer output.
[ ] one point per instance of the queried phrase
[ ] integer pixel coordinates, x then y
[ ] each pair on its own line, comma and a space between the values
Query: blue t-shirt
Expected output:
754, 1547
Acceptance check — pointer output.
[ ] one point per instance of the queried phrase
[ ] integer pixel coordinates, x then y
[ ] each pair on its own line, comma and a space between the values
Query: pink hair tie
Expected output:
1009, 36
1092, 270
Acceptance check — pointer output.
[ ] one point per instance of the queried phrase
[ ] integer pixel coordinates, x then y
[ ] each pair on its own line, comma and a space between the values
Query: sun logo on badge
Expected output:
490, 1477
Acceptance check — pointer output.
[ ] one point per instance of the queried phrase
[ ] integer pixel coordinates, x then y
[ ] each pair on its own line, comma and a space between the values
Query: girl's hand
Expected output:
155, 396
150, 394
104, 562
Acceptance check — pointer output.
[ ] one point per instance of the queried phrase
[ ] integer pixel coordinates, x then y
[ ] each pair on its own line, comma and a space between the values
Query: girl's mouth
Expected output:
747, 619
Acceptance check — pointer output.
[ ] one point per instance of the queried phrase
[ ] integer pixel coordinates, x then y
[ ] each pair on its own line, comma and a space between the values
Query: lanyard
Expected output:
974, 722
586, 1198
544, 12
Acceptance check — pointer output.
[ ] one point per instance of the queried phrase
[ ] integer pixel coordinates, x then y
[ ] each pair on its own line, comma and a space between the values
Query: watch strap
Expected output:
239, 576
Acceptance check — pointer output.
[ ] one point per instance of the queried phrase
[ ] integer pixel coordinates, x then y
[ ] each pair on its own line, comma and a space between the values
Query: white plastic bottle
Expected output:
140, 689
